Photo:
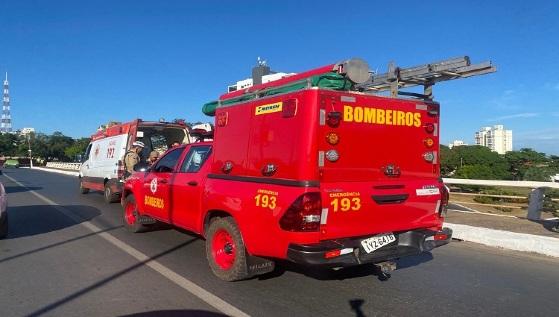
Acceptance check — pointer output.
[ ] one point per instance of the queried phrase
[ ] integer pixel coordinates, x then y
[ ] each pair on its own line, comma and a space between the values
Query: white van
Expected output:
103, 164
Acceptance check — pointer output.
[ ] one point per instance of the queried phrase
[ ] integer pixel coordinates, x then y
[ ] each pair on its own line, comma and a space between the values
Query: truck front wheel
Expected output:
226, 251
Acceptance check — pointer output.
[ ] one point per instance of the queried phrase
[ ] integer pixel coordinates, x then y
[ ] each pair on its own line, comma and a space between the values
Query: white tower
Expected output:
6, 124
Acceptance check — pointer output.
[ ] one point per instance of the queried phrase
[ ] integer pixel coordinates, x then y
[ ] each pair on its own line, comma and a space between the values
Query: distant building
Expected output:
456, 143
496, 138
26, 131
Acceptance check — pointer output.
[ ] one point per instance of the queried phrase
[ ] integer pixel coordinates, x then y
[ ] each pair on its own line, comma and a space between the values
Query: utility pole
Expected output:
28, 136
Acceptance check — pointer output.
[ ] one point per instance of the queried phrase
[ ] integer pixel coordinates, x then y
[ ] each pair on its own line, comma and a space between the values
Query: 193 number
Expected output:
346, 204
265, 201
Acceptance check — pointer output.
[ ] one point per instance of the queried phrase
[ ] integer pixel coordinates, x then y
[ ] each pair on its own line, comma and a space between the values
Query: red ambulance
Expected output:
310, 168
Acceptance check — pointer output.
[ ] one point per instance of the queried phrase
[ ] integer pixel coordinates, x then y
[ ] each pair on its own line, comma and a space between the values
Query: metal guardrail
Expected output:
485, 182
535, 200
64, 166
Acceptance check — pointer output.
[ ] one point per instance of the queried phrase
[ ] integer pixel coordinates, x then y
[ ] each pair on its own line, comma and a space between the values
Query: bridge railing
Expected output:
535, 199
64, 166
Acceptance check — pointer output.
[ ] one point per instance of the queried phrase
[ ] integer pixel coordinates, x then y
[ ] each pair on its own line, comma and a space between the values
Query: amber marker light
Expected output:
428, 142
332, 138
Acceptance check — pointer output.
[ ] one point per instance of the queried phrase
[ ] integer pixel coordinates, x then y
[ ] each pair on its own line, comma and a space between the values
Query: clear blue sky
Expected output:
75, 65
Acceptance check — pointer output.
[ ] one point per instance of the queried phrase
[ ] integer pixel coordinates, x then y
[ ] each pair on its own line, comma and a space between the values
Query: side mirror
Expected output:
141, 167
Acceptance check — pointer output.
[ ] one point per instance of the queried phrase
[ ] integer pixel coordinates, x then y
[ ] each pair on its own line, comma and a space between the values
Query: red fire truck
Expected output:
313, 168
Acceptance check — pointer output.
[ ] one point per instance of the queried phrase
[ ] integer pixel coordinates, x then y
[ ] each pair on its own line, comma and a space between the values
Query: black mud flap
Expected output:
145, 220
259, 266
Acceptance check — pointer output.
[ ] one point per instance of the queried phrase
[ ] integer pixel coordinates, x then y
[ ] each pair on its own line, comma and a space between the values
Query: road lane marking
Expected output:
174, 277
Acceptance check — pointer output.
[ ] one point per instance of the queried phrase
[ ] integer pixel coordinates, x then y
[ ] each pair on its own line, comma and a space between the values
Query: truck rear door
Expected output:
378, 164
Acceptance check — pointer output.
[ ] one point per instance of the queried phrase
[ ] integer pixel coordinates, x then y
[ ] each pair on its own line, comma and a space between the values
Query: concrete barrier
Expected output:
535, 201
64, 166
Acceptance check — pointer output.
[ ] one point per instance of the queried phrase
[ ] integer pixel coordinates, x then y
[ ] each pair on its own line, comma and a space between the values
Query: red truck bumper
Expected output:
407, 243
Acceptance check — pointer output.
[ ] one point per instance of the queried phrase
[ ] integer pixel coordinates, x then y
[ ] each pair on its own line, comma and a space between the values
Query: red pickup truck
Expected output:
318, 174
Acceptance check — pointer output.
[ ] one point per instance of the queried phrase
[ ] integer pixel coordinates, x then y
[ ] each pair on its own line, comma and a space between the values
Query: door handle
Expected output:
162, 181
192, 183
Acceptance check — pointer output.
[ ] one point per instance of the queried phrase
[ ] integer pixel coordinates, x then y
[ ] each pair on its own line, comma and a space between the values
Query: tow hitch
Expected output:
385, 268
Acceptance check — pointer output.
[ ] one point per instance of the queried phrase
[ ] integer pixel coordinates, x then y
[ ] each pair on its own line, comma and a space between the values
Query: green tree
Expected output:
524, 159
8, 144
56, 145
449, 160
541, 174
474, 162
476, 171
77, 148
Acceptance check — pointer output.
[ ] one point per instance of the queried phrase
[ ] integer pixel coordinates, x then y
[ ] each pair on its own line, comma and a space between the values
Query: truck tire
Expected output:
4, 225
226, 250
110, 196
83, 190
129, 215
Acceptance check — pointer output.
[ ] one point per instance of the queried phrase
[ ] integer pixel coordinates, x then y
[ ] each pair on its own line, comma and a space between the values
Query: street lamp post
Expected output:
30, 156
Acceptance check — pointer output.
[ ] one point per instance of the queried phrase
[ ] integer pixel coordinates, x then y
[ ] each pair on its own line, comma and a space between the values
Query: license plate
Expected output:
377, 242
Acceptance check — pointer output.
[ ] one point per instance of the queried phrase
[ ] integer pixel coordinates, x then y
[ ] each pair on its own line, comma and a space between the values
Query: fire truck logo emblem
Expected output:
153, 185
97, 149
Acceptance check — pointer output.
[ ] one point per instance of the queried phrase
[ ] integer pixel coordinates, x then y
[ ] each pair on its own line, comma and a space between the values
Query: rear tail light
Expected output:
333, 119
304, 214
332, 254
440, 236
429, 128
336, 253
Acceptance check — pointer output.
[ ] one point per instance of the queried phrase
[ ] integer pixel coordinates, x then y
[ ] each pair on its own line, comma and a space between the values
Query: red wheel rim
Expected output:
129, 213
223, 249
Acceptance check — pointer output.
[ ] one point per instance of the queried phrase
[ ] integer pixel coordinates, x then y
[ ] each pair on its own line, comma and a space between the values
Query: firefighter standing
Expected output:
132, 158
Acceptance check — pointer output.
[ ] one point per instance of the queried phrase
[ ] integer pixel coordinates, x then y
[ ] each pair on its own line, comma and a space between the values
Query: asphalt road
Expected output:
67, 254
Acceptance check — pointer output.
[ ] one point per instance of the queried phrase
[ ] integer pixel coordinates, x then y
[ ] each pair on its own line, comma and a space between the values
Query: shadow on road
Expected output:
176, 313
19, 189
412, 261
324, 273
548, 225
48, 308
355, 305
54, 245
38, 219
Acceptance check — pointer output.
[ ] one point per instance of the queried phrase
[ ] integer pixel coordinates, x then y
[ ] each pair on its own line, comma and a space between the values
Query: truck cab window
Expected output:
195, 158
168, 162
